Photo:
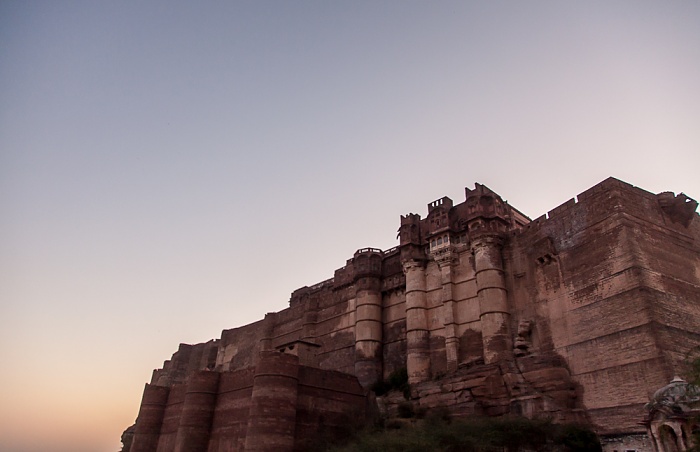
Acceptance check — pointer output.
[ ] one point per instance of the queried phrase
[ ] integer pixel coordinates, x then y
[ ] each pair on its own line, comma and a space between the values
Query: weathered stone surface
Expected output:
577, 315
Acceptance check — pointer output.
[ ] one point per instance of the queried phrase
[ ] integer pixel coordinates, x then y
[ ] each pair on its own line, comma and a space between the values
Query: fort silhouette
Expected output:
578, 315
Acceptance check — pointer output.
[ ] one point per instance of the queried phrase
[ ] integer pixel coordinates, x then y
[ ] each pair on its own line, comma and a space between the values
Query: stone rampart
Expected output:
278, 405
576, 315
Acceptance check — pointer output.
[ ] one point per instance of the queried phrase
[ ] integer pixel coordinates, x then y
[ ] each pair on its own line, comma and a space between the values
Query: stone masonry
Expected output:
579, 315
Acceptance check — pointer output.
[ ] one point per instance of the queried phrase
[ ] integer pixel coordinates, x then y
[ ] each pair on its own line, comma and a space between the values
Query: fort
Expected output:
580, 315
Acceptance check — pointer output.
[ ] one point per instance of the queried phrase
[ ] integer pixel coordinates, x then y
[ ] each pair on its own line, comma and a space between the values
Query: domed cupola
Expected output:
673, 414
677, 397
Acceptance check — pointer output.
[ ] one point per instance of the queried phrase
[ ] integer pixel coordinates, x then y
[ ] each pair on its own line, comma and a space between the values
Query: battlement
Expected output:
479, 190
630, 196
391, 251
410, 218
444, 202
368, 251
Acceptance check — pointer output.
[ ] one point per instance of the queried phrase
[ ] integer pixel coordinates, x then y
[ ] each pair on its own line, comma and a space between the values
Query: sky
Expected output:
171, 169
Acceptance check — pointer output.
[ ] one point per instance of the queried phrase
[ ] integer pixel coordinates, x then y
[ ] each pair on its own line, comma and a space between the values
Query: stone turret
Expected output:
413, 260
150, 419
273, 405
367, 264
409, 231
417, 332
197, 412
487, 221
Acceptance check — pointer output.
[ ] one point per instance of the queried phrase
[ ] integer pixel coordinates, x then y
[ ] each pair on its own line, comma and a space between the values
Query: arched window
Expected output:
669, 440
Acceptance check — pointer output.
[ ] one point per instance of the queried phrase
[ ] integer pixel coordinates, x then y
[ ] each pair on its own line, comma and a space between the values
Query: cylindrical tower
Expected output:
493, 302
197, 412
273, 405
367, 264
268, 331
445, 259
417, 333
150, 419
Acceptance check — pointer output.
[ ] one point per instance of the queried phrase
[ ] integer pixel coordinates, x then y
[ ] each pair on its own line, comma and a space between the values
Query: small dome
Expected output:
678, 396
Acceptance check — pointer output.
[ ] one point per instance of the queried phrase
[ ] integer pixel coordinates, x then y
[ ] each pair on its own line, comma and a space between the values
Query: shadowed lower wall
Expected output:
278, 405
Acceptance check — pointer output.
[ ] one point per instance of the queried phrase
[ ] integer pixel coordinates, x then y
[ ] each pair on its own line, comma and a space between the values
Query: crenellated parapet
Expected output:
679, 208
367, 263
187, 359
410, 230
486, 212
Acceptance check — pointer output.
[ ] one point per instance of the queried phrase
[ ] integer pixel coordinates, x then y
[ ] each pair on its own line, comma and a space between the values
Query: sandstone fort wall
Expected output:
578, 315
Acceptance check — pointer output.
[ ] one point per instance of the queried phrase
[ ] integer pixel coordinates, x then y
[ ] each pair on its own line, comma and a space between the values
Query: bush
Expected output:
405, 410
380, 387
398, 381
438, 416
398, 378
576, 438
477, 434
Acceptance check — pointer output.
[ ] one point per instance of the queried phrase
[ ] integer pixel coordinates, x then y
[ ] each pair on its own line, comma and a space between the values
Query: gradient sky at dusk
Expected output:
172, 169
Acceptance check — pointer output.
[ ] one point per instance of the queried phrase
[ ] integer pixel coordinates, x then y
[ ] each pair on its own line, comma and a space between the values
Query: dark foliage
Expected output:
397, 381
510, 434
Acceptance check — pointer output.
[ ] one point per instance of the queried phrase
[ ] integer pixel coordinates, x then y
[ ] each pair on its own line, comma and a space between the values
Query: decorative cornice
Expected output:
413, 264
487, 238
445, 257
